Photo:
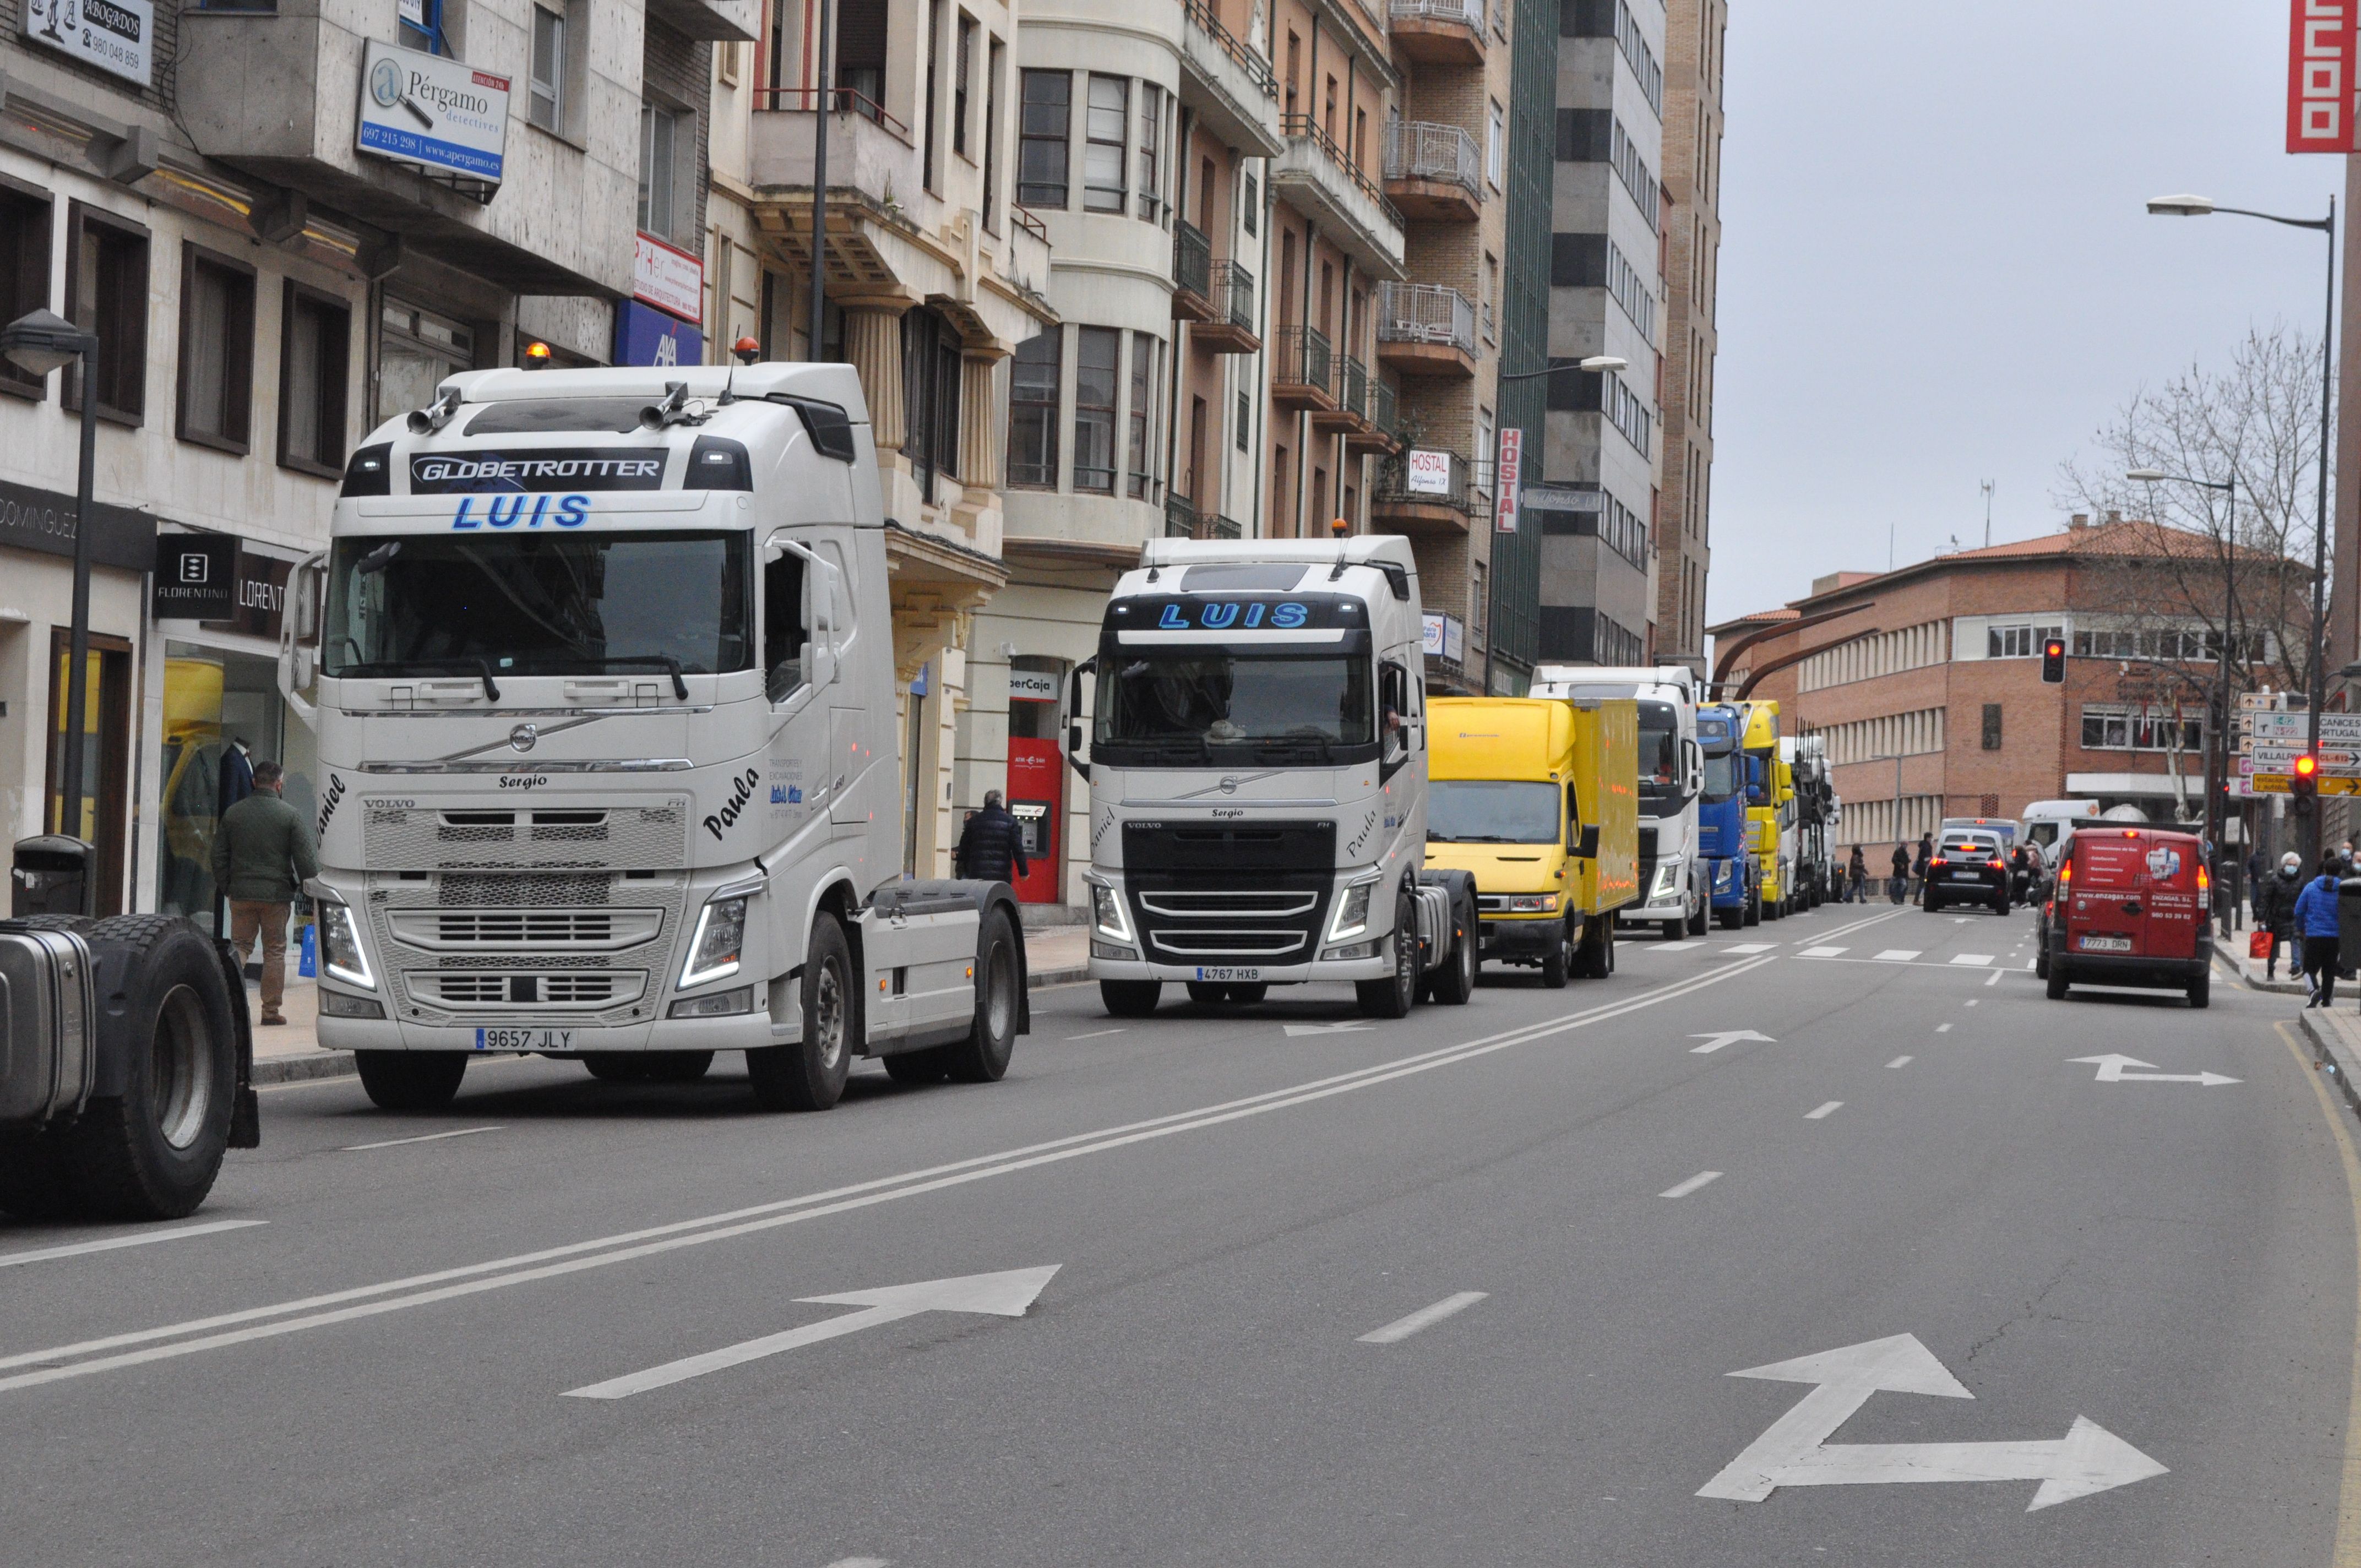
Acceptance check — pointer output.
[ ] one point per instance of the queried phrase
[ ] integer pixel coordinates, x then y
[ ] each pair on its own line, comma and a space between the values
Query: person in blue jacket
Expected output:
2315, 921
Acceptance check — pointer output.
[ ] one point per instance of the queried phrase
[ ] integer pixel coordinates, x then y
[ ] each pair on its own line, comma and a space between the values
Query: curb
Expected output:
2334, 1054
2236, 960
303, 1066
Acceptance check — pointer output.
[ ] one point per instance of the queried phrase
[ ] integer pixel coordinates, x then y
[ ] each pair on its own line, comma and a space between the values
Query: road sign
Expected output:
1795, 1451
2335, 729
2271, 702
2275, 758
2281, 783
2111, 1070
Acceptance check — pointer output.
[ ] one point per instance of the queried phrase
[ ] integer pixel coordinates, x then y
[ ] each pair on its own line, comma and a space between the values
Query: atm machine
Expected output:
1037, 781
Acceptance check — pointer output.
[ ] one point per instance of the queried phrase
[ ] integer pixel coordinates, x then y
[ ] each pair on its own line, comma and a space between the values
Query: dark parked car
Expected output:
1968, 868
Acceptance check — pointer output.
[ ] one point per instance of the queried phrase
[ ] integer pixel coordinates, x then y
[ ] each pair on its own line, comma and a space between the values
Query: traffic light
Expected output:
2303, 779
2053, 659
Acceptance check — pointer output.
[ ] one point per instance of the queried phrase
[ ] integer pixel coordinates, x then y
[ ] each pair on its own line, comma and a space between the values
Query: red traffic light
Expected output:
2306, 766
2053, 659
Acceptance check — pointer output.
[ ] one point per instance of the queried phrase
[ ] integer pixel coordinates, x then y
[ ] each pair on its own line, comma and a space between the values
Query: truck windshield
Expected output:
1724, 779
1659, 759
1491, 811
567, 604
1174, 707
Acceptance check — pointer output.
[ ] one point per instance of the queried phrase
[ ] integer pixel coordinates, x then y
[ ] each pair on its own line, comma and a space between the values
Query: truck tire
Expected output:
1676, 929
411, 1081
916, 1066
1755, 905
152, 1153
809, 1075
1130, 998
1557, 963
613, 1066
1455, 980
1697, 918
983, 1057
1596, 959
1245, 993
1731, 919
1391, 997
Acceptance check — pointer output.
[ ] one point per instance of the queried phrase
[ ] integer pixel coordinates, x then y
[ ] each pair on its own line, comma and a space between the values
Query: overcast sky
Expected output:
1935, 269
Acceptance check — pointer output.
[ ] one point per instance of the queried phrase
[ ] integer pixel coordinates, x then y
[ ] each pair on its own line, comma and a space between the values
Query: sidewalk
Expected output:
290, 1052
2231, 947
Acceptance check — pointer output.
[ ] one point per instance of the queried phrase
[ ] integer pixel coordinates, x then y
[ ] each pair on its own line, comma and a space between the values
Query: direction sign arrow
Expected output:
1347, 1028
1005, 1295
2111, 1070
1728, 1037
1794, 1452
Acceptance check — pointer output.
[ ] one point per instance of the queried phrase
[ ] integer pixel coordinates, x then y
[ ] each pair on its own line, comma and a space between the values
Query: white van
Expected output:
2048, 823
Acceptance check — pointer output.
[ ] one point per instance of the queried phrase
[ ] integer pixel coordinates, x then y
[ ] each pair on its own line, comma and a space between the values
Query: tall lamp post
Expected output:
2204, 206
1595, 364
38, 344
2217, 742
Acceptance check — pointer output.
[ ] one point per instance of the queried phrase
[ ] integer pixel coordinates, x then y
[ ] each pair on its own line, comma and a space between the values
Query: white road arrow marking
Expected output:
1349, 1026
2111, 1070
1795, 1451
1005, 1295
1728, 1037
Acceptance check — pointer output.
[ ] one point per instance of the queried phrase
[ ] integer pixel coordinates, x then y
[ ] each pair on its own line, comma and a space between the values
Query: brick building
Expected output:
1926, 680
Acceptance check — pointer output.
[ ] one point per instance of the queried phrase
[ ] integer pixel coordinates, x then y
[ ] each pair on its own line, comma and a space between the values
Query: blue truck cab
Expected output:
1734, 873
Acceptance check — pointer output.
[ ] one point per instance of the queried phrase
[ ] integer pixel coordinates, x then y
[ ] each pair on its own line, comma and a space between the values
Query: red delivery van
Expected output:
2130, 906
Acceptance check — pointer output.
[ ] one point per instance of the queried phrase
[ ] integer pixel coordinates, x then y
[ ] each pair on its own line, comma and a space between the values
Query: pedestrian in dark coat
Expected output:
1896, 885
2275, 898
992, 845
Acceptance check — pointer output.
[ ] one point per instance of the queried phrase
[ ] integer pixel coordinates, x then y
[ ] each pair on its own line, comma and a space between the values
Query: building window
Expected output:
1043, 128
1102, 128
931, 397
993, 58
314, 340
1097, 356
1033, 410
2016, 642
1143, 397
24, 274
1253, 203
421, 25
929, 129
1151, 134
963, 66
661, 138
106, 293
1496, 138
1245, 418
2119, 726
548, 108
415, 350
1479, 595
217, 392
1991, 727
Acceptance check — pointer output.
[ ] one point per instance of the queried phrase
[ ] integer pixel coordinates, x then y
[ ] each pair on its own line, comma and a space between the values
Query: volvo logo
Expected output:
524, 738
1229, 786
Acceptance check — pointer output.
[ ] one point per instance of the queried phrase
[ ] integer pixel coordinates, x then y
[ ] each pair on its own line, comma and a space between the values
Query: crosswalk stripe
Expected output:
1899, 955
1974, 960
1822, 952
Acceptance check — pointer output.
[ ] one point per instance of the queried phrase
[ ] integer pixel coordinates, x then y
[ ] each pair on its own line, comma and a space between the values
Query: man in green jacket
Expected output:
262, 853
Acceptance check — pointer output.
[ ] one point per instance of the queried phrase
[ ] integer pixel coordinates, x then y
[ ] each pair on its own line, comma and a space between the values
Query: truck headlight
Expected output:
714, 948
1668, 878
1107, 913
1724, 873
340, 946
1532, 904
1352, 915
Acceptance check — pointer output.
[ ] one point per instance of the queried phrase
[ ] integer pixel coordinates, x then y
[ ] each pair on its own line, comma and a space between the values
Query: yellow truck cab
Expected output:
1769, 807
1538, 799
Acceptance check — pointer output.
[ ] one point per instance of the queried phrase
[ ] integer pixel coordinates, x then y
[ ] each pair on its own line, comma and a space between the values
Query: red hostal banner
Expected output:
2320, 58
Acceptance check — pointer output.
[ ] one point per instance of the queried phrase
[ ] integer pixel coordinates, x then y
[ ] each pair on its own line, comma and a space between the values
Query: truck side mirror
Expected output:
1755, 790
1075, 758
299, 639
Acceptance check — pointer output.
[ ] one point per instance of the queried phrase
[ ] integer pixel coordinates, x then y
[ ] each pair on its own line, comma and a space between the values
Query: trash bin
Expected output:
2348, 925
51, 876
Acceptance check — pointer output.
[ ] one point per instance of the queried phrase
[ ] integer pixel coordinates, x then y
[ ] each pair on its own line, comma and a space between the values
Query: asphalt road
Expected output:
379, 1372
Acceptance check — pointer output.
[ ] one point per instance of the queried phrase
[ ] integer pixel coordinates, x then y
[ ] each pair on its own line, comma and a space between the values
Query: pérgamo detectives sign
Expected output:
439, 113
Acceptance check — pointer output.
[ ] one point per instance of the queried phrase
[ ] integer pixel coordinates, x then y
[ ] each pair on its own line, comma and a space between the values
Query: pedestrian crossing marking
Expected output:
1823, 952
1977, 959
1898, 954
1748, 947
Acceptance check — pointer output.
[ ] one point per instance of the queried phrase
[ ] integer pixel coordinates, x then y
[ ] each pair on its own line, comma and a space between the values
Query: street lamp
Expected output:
2216, 781
2202, 206
1595, 364
38, 344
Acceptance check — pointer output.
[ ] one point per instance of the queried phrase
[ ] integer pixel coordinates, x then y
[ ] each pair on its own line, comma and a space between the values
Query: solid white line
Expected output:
1898, 954
1823, 1111
1424, 1318
421, 1138
78, 1249
1684, 1189
1093, 1035
1942, 1028
600, 1252
1976, 959
1900, 1061
1993, 977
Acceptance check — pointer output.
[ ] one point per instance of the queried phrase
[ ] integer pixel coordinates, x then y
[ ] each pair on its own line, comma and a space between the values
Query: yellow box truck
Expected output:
1771, 807
1538, 799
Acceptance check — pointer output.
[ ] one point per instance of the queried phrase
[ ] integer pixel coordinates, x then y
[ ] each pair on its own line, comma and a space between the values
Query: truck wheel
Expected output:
411, 1081
153, 1153
1731, 919
809, 1075
1558, 962
676, 1067
1455, 982
1596, 957
1698, 920
1130, 998
1391, 997
983, 1057
2057, 978
1676, 929
1755, 905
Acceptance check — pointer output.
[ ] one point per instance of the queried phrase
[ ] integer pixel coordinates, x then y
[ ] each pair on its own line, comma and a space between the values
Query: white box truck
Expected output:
601, 666
1674, 885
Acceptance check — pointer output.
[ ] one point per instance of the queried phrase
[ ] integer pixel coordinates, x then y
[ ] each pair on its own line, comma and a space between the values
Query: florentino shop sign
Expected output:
43, 520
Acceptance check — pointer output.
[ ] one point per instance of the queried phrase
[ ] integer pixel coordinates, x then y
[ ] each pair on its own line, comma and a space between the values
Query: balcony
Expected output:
1351, 414
1302, 370
1381, 429
868, 151
1427, 329
1183, 520
1315, 177
1227, 84
1439, 32
1192, 266
1433, 173
1232, 328
1427, 498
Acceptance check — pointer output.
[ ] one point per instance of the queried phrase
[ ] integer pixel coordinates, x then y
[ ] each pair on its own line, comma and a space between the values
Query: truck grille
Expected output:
493, 988
478, 930
583, 947
624, 837
1255, 891
1227, 904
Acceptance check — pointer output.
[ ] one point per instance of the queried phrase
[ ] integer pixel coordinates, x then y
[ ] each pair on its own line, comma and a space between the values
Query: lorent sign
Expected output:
431, 111
2321, 60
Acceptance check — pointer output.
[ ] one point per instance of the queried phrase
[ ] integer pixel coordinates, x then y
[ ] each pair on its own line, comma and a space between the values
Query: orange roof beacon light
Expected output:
536, 355
747, 350
1339, 526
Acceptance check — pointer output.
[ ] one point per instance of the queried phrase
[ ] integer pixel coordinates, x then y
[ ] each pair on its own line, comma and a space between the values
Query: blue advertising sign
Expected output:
645, 336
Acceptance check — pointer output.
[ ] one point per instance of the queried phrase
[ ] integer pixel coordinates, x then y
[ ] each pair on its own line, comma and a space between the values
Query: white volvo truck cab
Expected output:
1674, 882
601, 666
1257, 773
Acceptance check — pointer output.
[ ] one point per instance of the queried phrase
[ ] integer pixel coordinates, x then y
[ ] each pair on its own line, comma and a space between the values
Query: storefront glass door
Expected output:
212, 699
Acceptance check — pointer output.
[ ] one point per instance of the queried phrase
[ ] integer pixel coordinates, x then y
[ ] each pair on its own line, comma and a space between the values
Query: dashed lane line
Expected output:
1682, 1190
1424, 1318
421, 1138
1823, 1112
1901, 1061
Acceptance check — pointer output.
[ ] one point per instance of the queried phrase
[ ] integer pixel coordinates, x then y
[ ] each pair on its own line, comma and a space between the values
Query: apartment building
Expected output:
1926, 680
1600, 457
285, 225
1694, 33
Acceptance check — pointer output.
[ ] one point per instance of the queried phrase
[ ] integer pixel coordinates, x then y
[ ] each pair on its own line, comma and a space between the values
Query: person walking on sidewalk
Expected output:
2275, 898
2315, 921
262, 856
1857, 878
992, 845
